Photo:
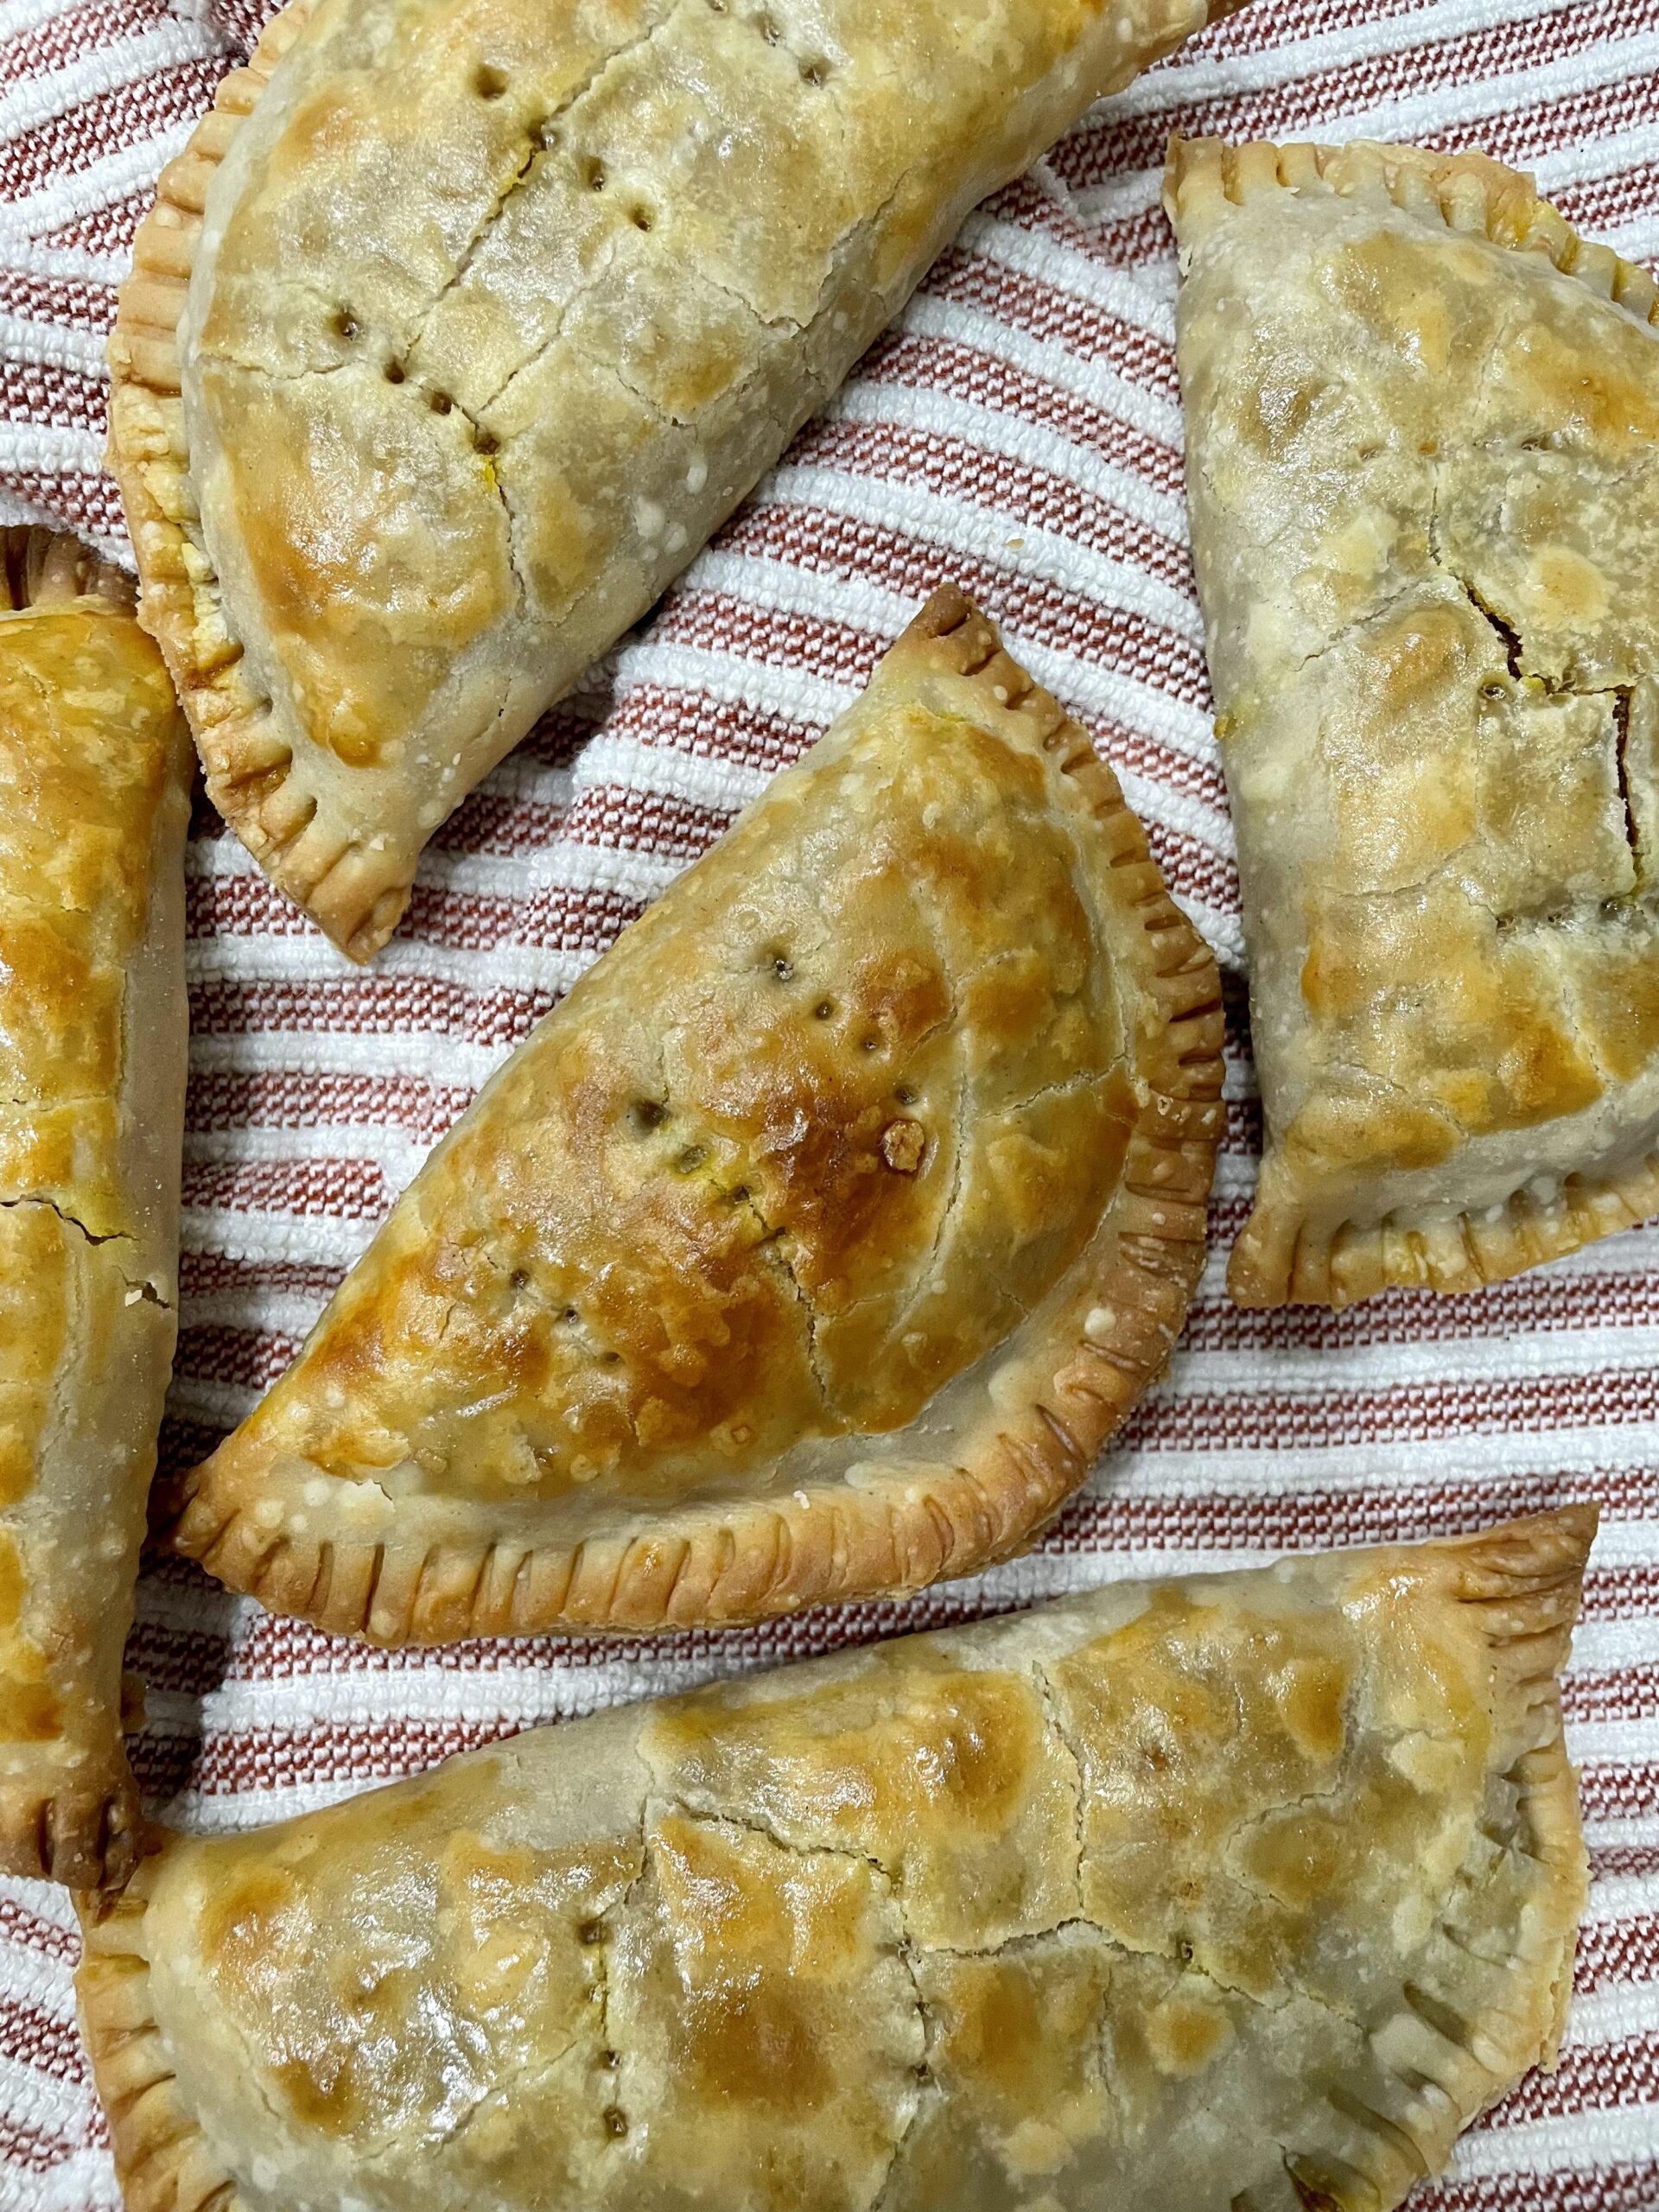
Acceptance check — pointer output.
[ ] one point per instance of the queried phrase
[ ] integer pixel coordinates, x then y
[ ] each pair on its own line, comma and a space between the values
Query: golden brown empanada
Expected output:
812, 1248
460, 324
1243, 1893
1423, 464
96, 766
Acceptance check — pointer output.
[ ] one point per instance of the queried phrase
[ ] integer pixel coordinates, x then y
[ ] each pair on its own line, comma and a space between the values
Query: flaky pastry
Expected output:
813, 1247
1423, 465
1240, 1893
96, 765
460, 324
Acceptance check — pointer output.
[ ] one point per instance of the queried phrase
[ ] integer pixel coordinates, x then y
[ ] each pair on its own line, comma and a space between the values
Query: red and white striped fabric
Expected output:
1020, 430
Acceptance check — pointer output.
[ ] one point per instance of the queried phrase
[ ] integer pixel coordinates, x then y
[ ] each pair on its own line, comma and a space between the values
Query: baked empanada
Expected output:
96, 766
1423, 465
812, 1248
461, 324
1243, 1893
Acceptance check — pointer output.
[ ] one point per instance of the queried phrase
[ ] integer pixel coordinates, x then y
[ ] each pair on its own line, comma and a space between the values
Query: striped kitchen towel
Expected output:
1018, 430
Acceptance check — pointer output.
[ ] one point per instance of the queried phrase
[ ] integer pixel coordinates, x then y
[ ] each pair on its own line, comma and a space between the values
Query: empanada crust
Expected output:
812, 1248
96, 766
450, 339
1234, 1894
1423, 467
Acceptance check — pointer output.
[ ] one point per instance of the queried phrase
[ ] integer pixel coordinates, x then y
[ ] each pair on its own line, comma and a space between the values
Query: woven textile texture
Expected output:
1018, 431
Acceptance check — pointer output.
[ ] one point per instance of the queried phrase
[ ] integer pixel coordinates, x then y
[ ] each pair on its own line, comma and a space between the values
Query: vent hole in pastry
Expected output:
393, 372
543, 135
569, 1317
648, 1114
824, 1010
905, 1095
766, 23
591, 170
440, 402
485, 442
691, 1158
869, 1044
610, 1359
591, 1932
815, 73
489, 82
739, 1194
347, 325
615, 2122
780, 964
641, 218
518, 1279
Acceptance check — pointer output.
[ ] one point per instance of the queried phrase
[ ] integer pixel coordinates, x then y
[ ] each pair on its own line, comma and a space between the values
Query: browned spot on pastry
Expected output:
236, 1928
30, 1711
755, 2046
903, 1143
323, 2091
1185, 2031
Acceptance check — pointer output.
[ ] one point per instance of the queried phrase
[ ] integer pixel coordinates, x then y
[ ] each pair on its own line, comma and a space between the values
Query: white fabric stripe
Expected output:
1033, 445
51, 344
21, 16
84, 2181
1605, 1349
1292, 62
1095, 380
130, 169
105, 68
1605, 2137
49, 448
1067, 269
65, 264
981, 532
439, 1059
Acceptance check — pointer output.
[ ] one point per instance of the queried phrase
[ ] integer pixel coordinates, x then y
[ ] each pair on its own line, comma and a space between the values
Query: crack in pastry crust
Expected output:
96, 767
1247, 1890
812, 1248
448, 344
1423, 421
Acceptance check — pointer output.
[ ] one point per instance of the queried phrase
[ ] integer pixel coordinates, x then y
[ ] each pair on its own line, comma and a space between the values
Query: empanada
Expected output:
1243, 1893
453, 337
812, 1248
96, 766
1423, 464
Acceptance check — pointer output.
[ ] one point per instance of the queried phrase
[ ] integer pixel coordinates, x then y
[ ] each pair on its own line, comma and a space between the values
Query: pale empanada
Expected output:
812, 1248
1423, 463
96, 766
462, 323
1243, 1893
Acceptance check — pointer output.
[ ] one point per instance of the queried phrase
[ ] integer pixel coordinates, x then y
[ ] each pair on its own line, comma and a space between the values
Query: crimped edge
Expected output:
162, 2158
253, 777
83, 1830
1523, 1581
1518, 1586
1280, 1257
1466, 192
1527, 1576
767, 1559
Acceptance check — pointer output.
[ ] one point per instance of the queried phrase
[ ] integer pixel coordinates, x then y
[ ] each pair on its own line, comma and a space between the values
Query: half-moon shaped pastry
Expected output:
1238, 1894
460, 324
1423, 467
96, 765
812, 1248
